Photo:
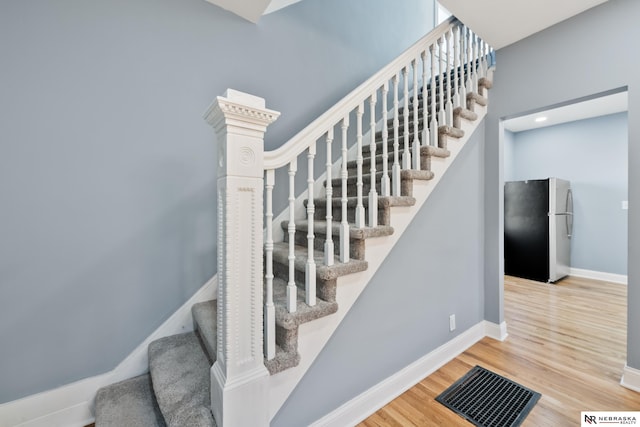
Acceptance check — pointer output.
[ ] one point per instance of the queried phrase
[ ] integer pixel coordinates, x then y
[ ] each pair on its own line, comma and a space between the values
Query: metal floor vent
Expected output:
489, 400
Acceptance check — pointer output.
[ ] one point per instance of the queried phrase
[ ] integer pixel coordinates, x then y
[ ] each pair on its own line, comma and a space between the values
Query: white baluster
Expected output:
449, 86
344, 224
485, 59
310, 270
385, 184
269, 307
406, 154
373, 192
395, 171
469, 82
456, 66
416, 107
425, 100
480, 59
328, 242
434, 119
463, 71
360, 215
291, 285
475, 59
441, 115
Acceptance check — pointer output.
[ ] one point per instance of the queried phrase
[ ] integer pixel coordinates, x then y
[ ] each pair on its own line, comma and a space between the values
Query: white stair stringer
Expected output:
313, 336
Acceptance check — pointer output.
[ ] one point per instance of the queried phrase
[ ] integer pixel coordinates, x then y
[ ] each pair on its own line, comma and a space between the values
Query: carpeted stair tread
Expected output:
458, 112
304, 313
434, 151
450, 131
282, 361
205, 321
465, 113
320, 227
383, 202
423, 175
323, 272
485, 82
129, 403
478, 99
180, 371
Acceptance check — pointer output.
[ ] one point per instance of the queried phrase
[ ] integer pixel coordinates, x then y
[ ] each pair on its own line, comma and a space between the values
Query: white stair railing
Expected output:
433, 77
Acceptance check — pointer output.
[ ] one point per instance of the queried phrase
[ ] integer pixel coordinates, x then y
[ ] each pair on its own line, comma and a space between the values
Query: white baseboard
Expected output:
495, 331
599, 275
631, 378
365, 404
72, 405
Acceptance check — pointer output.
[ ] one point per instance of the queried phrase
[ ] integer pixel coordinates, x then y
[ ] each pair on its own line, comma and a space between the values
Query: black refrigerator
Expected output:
538, 222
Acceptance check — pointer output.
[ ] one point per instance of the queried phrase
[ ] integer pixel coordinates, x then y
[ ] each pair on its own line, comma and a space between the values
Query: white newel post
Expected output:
238, 377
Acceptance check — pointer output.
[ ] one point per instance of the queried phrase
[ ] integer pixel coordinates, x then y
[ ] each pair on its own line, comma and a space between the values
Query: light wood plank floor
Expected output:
566, 341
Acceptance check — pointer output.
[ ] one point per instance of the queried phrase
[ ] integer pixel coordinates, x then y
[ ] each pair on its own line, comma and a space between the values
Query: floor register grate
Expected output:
487, 399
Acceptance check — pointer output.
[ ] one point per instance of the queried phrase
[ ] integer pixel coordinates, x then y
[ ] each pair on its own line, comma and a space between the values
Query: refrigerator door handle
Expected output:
568, 219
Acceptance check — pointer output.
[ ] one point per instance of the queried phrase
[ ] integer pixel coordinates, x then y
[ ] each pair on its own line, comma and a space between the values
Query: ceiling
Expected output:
609, 104
502, 22
499, 22
252, 10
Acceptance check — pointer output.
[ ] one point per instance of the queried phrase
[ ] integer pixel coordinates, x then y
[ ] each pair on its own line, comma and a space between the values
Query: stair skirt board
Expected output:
368, 402
313, 336
72, 405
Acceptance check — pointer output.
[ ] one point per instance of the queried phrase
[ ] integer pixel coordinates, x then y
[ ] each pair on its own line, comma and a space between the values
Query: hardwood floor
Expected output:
566, 341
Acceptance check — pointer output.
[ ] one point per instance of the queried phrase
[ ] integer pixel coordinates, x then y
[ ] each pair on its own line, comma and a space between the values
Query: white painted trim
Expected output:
365, 404
598, 275
72, 405
313, 336
631, 378
495, 331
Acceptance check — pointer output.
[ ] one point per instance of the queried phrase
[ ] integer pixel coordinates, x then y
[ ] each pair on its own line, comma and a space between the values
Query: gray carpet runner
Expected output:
128, 403
176, 393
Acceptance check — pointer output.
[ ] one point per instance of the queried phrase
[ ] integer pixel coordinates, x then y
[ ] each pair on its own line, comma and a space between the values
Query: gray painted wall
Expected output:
562, 63
436, 269
592, 154
107, 169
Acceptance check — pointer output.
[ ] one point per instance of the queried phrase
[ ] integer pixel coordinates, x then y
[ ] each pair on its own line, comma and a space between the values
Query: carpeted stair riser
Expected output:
282, 361
304, 313
384, 207
357, 237
325, 289
426, 154
205, 323
179, 369
406, 182
457, 113
325, 276
287, 339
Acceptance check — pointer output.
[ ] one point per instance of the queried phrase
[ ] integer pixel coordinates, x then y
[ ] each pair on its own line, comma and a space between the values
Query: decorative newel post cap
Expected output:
239, 109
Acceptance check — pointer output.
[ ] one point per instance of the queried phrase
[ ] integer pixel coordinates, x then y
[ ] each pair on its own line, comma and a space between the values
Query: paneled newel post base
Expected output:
238, 377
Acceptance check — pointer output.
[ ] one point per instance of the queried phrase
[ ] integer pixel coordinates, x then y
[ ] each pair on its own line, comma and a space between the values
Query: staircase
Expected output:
442, 82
